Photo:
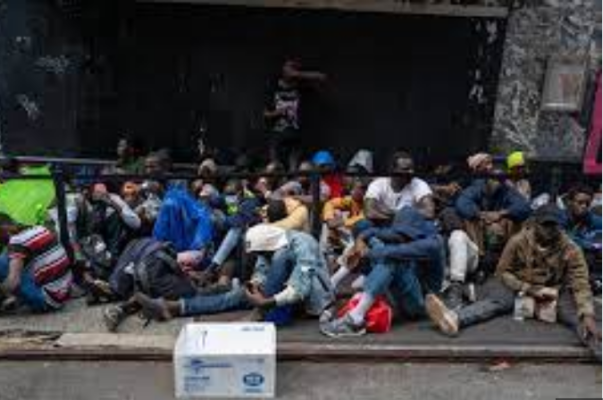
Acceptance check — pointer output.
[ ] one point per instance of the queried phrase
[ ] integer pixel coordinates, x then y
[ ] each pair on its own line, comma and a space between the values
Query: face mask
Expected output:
231, 200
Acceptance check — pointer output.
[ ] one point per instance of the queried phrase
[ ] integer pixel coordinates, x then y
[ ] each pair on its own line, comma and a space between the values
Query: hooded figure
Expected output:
411, 237
407, 260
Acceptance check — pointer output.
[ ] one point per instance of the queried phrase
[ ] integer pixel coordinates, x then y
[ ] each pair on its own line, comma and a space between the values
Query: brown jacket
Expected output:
525, 265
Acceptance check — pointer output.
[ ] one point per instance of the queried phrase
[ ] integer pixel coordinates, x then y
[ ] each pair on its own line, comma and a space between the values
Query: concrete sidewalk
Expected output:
78, 332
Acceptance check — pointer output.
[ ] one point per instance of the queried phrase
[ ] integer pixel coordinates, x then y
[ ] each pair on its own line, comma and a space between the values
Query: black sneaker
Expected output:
453, 297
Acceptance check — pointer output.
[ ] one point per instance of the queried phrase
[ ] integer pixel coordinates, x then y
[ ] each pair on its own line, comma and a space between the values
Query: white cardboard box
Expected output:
225, 360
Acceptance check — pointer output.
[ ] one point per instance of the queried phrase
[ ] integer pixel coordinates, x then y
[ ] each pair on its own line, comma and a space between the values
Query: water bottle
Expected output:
518, 312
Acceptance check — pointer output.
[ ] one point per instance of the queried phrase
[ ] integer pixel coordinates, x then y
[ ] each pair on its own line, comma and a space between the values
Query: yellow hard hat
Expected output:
516, 159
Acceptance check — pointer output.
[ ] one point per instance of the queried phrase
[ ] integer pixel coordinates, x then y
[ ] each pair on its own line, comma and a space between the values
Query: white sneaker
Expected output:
446, 320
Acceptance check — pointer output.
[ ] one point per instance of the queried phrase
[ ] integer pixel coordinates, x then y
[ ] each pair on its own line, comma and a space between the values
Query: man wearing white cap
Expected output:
290, 270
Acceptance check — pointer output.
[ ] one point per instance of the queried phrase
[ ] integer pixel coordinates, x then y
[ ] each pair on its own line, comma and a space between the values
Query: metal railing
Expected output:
555, 179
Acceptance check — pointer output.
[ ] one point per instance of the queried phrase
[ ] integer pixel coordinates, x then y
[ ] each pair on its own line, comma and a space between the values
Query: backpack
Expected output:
97, 257
150, 266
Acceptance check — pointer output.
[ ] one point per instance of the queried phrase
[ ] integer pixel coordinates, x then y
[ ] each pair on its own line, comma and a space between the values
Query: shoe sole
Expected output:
440, 315
110, 322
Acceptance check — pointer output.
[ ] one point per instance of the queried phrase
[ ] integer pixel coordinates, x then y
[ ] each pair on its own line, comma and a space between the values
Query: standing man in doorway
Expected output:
282, 112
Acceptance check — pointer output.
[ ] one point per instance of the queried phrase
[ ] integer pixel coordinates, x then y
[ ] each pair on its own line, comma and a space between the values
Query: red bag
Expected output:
378, 319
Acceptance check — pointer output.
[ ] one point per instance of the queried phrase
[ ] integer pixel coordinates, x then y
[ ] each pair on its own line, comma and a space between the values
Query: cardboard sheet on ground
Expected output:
26, 201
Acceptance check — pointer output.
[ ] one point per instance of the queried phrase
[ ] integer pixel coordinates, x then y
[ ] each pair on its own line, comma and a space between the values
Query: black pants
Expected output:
500, 300
286, 147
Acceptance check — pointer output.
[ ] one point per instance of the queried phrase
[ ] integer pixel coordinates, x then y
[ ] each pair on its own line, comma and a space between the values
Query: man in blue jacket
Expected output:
584, 227
492, 212
407, 258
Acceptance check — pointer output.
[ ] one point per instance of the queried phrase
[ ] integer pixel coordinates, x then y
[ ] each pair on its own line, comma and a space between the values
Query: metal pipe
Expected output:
59, 185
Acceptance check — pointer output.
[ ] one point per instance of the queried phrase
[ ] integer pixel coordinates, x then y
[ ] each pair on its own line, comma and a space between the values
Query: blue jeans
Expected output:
28, 292
278, 274
229, 243
405, 285
276, 280
213, 304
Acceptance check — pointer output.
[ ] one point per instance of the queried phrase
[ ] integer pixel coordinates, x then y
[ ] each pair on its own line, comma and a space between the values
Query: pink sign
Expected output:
592, 155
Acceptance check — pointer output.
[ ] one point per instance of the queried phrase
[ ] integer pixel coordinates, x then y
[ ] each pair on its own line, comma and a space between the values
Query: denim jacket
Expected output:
309, 281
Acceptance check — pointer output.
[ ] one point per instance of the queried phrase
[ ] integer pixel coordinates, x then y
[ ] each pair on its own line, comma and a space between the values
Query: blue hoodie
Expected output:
423, 243
474, 200
585, 232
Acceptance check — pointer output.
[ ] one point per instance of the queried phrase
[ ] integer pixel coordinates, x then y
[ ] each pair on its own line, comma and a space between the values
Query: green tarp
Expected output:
27, 201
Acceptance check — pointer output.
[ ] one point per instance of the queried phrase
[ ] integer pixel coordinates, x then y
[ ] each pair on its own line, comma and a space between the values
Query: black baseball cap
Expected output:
548, 214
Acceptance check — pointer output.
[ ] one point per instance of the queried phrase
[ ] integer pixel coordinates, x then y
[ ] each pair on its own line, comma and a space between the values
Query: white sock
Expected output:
339, 276
363, 306
358, 283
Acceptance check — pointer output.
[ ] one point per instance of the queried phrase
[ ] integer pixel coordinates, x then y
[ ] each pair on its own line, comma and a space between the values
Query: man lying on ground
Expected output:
290, 272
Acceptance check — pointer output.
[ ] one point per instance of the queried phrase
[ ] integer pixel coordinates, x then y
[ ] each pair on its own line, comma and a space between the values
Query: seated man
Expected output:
492, 212
185, 223
516, 168
104, 225
301, 188
327, 166
463, 253
408, 258
290, 271
288, 213
109, 216
584, 227
342, 213
463, 258
540, 262
149, 266
480, 163
385, 196
35, 270
241, 211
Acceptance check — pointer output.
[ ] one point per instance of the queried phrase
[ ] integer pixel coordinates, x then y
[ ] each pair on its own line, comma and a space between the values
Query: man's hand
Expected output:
589, 328
101, 197
256, 298
201, 278
358, 252
9, 286
544, 294
13, 280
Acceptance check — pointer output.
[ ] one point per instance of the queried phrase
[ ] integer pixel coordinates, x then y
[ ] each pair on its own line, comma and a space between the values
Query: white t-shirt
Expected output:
381, 190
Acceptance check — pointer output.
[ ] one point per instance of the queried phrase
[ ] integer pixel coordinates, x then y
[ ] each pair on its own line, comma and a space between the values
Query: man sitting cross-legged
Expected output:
540, 262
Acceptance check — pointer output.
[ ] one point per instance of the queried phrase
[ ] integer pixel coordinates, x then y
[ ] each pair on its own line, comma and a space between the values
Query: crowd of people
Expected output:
456, 251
